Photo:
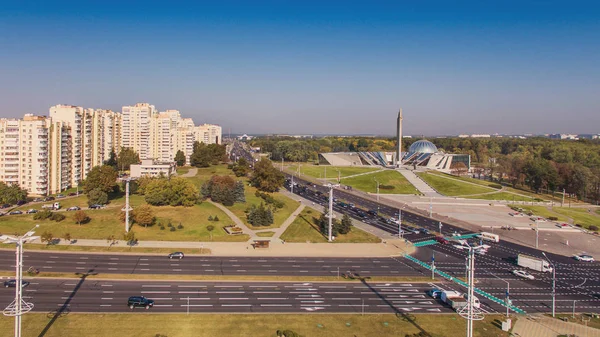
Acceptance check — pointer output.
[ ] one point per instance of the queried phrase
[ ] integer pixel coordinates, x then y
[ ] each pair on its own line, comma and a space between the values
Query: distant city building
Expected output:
150, 168
244, 137
46, 155
563, 136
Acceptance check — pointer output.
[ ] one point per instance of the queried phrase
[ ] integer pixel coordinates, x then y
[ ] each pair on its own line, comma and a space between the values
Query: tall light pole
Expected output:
377, 181
400, 222
507, 291
537, 236
330, 215
19, 307
292, 185
553, 285
440, 228
469, 311
127, 208
430, 207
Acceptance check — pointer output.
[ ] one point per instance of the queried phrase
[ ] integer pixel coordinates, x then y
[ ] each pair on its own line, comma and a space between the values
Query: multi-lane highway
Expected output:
208, 265
575, 281
201, 297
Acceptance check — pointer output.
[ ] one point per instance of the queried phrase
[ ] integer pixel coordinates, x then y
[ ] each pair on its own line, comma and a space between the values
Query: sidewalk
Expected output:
277, 248
419, 183
542, 326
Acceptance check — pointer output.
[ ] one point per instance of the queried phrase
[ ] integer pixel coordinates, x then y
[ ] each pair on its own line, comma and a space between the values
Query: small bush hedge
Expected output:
552, 218
386, 187
593, 228
57, 217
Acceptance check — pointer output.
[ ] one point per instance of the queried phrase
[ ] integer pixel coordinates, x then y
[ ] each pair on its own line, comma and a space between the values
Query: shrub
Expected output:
42, 215
216, 218
496, 186
578, 225
169, 224
552, 218
57, 217
180, 226
593, 228
162, 228
172, 229
210, 218
386, 187
210, 228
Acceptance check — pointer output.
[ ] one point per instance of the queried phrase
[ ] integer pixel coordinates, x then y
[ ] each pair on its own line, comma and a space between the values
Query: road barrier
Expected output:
464, 284
424, 243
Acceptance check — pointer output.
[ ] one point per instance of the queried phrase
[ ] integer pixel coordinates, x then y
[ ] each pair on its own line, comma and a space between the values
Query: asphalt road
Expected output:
207, 265
575, 281
78, 295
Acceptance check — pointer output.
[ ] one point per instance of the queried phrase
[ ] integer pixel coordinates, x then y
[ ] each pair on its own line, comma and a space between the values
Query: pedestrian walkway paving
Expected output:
419, 184
276, 248
239, 223
279, 231
543, 326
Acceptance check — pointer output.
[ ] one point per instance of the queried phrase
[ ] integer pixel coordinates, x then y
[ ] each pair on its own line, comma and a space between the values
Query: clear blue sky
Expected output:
312, 66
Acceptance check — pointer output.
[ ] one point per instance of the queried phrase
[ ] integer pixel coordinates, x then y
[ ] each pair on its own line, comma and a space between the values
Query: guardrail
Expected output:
464, 284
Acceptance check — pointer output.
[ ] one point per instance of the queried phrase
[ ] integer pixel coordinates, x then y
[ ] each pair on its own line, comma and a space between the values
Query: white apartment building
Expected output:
9, 150
106, 135
136, 128
80, 121
162, 134
60, 156
33, 136
208, 134
150, 168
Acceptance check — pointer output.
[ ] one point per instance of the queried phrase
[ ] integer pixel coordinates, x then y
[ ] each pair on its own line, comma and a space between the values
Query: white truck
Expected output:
458, 300
535, 263
489, 236
54, 206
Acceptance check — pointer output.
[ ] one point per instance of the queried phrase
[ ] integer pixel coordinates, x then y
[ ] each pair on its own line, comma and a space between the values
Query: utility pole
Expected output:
18, 307
400, 223
537, 236
377, 181
553, 285
330, 215
469, 311
563, 199
127, 208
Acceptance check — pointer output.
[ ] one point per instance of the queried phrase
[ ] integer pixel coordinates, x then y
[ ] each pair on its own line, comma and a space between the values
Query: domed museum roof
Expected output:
422, 146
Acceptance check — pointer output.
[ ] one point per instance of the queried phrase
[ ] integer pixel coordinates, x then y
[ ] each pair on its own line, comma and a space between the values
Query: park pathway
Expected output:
419, 184
236, 220
279, 231
190, 173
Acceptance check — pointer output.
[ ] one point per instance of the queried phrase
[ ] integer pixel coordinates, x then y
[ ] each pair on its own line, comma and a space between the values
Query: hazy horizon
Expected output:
312, 67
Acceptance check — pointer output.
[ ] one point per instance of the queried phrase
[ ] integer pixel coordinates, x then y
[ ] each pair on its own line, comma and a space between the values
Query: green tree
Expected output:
126, 157
112, 160
103, 178
200, 156
80, 217
130, 238
180, 158
241, 168
221, 189
238, 193
183, 192
345, 225
97, 197
144, 215
259, 216
11, 194
67, 237
47, 237
265, 177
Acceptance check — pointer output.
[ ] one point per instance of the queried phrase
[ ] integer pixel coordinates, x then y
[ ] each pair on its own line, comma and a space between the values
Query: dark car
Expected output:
434, 293
32, 211
6, 206
176, 255
596, 295
372, 212
60, 196
139, 301
48, 198
21, 202
441, 240
74, 208
72, 194
15, 212
13, 283
96, 206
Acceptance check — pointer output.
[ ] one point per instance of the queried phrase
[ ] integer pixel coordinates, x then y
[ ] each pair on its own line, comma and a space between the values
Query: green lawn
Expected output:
105, 222
580, 216
543, 211
239, 325
467, 179
303, 229
183, 170
450, 187
502, 196
319, 171
367, 183
280, 215
267, 234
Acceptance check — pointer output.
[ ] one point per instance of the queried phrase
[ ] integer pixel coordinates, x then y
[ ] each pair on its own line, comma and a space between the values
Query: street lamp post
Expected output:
400, 223
553, 285
441, 228
19, 307
127, 208
537, 236
574, 308
377, 181
330, 215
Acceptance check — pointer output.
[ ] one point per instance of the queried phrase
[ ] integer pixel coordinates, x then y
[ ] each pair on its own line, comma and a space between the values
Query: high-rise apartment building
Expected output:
208, 134
80, 122
136, 128
33, 153
46, 155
